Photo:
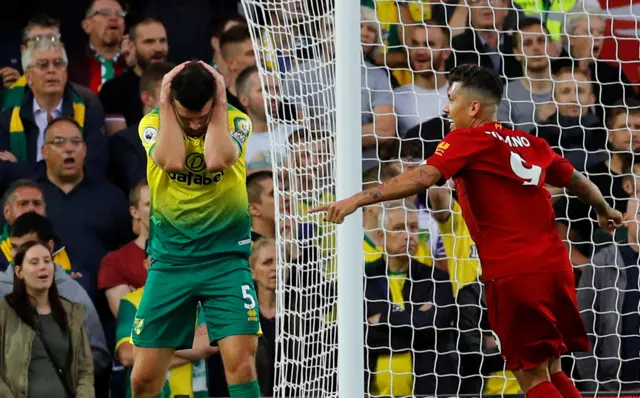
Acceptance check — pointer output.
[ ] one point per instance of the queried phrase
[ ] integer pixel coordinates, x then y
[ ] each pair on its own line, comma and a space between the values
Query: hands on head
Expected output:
165, 90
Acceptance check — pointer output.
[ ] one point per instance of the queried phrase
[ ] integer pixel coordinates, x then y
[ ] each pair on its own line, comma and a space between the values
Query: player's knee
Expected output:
145, 384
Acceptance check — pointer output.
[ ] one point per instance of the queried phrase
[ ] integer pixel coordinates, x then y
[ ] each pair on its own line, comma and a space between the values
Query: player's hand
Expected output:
221, 89
610, 220
166, 99
336, 212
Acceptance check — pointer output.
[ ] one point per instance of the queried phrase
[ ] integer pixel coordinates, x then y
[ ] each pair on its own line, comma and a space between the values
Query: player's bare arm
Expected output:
220, 150
169, 149
440, 199
402, 186
580, 186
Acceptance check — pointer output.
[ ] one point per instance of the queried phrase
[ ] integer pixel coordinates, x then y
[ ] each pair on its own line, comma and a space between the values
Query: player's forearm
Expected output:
220, 150
169, 149
440, 199
402, 186
192, 354
587, 192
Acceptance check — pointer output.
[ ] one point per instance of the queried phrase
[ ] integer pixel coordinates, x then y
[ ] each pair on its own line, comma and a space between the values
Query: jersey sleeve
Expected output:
148, 131
126, 316
559, 171
240, 127
456, 150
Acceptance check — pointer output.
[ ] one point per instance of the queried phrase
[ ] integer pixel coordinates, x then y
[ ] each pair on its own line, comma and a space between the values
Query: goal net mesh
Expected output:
568, 71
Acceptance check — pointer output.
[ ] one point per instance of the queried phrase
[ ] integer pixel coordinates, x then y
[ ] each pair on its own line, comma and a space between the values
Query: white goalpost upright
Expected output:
348, 182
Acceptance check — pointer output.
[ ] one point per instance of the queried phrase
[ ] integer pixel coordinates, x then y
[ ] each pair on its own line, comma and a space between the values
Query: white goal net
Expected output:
569, 70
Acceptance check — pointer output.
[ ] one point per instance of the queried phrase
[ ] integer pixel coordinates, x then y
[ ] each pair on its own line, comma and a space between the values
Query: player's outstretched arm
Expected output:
580, 186
169, 149
402, 186
220, 150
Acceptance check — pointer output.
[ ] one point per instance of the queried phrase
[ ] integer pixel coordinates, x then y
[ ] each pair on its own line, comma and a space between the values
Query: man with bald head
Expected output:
91, 216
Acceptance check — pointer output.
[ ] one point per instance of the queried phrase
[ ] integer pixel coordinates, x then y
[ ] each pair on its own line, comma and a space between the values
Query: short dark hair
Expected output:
480, 79
33, 223
193, 86
242, 82
525, 23
254, 188
133, 31
42, 21
627, 106
237, 34
153, 74
60, 120
13, 188
218, 24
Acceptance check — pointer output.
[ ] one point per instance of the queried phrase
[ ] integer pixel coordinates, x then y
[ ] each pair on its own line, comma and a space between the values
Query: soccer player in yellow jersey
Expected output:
199, 235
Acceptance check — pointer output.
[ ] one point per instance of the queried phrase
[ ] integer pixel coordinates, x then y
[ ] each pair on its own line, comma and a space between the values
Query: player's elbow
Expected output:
218, 165
125, 355
171, 165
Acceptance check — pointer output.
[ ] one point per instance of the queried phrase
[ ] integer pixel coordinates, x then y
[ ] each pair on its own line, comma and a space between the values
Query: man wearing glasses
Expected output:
102, 61
46, 96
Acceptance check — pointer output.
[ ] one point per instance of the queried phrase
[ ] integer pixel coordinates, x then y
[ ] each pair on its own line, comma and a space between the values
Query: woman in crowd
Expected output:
45, 351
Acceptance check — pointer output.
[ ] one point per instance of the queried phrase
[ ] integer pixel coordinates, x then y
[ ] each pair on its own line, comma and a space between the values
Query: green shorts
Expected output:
167, 313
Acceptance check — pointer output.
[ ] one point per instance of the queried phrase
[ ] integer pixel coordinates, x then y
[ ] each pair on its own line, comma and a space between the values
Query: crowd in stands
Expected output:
75, 204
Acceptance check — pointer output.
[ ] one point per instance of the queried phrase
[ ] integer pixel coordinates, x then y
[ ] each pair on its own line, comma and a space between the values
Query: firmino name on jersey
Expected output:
191, 178
514, 142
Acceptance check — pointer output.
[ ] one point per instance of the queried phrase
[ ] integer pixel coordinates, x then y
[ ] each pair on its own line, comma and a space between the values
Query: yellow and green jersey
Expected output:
462, 255
195, 214
373, 252
186, 380
394, 373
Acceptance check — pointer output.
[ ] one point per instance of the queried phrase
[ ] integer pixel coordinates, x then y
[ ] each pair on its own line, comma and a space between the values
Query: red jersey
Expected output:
499, 175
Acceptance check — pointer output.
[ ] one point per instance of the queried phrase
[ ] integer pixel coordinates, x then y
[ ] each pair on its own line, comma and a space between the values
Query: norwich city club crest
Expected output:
241, 127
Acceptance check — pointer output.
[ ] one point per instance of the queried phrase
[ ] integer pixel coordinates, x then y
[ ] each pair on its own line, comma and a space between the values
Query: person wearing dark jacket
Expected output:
409, 313
46, 97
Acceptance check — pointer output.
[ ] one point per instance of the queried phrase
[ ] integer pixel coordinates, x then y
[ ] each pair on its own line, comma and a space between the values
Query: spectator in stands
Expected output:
261, 205
25, 196
187, 374
127, 158
576, 223
237, 52
574, 130
122, 271
485, 41
40, 27
219, 26
585, 31
45, 331
408, 309
483, 369
527, 100
47, 97
121, 95
102, 60
263, 269
33, 227
262, 142
426, 96
608, 297
89, 230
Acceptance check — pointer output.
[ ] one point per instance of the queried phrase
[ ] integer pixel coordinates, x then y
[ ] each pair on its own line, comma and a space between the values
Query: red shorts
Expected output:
536, 317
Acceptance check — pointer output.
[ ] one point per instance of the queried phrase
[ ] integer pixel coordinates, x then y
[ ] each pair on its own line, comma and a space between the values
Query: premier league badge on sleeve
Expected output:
149, 135
241, 127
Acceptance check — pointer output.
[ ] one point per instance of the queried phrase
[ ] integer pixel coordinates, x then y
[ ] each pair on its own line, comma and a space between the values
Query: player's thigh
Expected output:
150, 365
520, 313
532, 377
238, 354
567, 312
166, 316
229, 301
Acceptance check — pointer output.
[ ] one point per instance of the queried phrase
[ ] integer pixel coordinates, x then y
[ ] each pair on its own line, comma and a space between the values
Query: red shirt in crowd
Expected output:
499, 175
124, 266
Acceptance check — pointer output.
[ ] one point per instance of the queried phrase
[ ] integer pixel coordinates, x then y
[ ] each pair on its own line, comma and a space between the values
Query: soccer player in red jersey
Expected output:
500, 177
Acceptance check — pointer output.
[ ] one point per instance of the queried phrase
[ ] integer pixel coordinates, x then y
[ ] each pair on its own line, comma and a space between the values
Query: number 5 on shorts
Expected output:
247, 296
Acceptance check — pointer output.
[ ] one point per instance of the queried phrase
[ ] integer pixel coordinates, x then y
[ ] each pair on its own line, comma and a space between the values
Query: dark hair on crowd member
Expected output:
133, 31
153, 75
20, 300
237, 34
33, 223
13, 188
242, 82
626, 106
219, 23
254, 188
478, 78
41, 21
526, 23
193, 86
60, 120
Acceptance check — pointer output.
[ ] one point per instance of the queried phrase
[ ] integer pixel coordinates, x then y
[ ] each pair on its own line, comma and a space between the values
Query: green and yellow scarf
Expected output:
13, 99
